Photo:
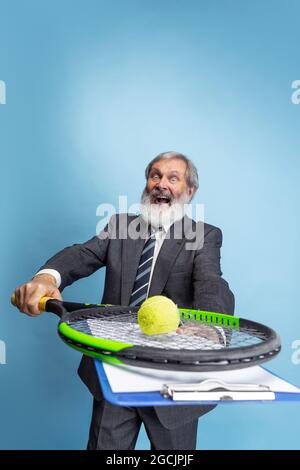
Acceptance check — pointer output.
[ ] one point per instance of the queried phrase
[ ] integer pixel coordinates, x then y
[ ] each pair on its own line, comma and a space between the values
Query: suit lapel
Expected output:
167, 255
132, 250
131, 253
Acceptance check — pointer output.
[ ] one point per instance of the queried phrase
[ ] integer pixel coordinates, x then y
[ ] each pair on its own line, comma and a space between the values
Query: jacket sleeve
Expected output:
211, 291
81, 260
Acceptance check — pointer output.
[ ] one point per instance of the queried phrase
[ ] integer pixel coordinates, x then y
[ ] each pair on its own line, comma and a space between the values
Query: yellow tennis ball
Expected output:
157, 315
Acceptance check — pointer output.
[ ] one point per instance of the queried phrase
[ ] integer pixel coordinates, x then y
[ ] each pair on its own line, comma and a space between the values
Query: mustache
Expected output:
156, 192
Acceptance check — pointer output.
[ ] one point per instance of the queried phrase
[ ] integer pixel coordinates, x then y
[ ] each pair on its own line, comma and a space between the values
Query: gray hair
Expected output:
191, 174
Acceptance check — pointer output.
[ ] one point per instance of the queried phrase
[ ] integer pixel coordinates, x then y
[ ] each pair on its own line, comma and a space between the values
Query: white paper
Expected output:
223, 396
138, 379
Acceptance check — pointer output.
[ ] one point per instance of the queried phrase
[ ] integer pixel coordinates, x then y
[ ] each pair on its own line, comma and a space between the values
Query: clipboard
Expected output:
217, 392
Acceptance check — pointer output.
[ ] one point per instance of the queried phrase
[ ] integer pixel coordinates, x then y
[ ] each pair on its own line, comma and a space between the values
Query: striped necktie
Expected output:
140, 288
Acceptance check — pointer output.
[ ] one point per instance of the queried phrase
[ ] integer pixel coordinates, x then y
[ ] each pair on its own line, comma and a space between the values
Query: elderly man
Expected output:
165, 263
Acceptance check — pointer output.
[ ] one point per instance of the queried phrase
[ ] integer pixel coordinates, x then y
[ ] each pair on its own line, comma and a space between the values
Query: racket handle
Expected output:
59, 307
42, 302
13, 299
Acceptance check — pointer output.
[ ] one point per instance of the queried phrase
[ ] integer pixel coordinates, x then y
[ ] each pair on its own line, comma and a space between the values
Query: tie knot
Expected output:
152, 230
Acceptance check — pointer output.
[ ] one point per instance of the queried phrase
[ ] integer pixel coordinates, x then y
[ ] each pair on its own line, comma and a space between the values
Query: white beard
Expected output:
163, 214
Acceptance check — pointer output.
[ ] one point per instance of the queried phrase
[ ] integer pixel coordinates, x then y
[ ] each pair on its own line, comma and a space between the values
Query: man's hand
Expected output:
27, 296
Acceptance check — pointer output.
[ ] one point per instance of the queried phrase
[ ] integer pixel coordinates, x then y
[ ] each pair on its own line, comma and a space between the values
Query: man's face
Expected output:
166, 182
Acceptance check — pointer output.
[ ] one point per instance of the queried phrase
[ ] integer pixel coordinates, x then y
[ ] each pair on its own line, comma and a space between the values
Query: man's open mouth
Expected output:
161, 200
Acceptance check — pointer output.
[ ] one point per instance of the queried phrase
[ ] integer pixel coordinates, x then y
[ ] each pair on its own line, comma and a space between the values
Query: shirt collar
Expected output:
165, 227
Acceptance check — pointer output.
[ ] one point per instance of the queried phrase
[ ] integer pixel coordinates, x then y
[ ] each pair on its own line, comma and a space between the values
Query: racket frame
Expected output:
117, 352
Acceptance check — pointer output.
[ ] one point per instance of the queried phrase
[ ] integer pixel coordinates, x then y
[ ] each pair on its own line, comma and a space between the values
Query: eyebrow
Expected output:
158, 171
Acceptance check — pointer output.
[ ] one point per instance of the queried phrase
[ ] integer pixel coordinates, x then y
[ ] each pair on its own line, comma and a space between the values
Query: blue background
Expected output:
95, 89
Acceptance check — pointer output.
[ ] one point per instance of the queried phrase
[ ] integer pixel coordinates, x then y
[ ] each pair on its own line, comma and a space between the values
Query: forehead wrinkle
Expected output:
167, 171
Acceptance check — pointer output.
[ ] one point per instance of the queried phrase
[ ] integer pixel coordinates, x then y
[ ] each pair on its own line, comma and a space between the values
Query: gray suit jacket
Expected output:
187, 271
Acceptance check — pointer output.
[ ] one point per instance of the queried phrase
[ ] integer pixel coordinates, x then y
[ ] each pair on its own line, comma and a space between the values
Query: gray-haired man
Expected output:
190, 277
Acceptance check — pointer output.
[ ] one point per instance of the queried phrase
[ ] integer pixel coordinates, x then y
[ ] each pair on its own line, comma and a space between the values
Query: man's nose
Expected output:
163, 183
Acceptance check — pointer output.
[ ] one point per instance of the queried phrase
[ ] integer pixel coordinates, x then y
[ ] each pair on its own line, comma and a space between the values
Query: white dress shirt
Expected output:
160, 236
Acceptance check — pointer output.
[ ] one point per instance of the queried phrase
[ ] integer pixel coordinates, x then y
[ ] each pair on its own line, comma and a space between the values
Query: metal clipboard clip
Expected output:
215, 389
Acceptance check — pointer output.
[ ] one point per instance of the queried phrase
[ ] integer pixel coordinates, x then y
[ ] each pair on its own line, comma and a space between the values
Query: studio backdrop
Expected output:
90, 92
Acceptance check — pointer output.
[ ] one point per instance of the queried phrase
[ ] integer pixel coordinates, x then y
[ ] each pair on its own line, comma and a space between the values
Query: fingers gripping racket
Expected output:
205, 341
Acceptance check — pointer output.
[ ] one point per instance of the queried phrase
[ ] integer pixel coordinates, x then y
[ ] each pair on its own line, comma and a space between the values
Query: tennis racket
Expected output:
204, 341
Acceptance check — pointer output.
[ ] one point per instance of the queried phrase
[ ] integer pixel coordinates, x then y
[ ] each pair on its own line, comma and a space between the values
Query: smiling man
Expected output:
160, 261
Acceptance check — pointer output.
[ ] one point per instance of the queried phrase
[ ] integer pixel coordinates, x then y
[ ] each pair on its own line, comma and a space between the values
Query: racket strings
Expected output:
131, 333
122, 326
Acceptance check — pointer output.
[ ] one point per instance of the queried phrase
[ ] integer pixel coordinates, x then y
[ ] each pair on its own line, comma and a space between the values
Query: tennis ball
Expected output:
158, 315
